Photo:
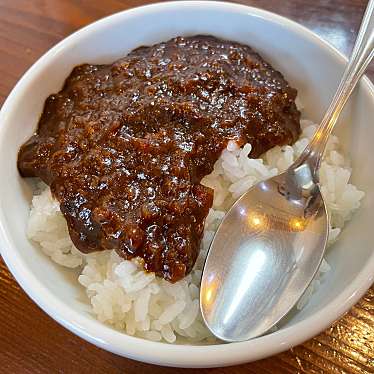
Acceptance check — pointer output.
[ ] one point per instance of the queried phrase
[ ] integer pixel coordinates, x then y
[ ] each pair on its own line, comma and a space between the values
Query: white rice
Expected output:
123, 295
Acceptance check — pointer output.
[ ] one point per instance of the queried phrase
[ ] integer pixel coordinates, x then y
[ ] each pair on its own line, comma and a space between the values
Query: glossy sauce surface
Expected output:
125, 146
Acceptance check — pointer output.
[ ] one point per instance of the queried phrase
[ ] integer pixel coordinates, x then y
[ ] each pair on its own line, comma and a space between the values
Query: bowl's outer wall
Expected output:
309, 64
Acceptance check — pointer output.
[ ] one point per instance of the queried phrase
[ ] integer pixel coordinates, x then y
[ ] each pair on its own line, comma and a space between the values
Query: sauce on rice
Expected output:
125, 146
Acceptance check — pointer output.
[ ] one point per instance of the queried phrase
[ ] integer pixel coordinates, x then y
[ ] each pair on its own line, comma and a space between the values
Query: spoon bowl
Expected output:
278, 248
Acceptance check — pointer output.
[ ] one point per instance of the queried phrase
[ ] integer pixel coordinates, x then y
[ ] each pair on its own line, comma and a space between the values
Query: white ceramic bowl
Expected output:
311, 65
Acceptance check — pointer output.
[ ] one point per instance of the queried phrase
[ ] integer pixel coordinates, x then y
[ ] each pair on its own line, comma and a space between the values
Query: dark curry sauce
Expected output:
124, 147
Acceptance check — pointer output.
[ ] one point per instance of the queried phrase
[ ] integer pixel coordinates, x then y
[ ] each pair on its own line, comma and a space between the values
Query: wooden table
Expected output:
30, 341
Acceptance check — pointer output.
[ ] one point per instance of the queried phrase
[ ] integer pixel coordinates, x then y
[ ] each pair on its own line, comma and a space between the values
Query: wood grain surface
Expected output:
30, 341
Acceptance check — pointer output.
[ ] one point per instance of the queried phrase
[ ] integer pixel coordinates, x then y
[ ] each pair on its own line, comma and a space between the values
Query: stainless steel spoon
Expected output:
271, 242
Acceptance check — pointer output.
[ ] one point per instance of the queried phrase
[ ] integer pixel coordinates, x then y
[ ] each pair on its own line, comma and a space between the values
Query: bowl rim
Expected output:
140, 349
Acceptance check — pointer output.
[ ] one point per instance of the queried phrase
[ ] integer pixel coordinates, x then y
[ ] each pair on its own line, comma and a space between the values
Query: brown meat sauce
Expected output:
125, 146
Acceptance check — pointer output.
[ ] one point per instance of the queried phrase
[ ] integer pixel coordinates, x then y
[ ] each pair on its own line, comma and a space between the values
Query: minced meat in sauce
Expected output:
124, 147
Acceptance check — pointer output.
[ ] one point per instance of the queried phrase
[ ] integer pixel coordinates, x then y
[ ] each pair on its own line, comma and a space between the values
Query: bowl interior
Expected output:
308, 64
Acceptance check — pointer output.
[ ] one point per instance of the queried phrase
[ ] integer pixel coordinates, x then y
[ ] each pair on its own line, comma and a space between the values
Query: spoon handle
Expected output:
363, 52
